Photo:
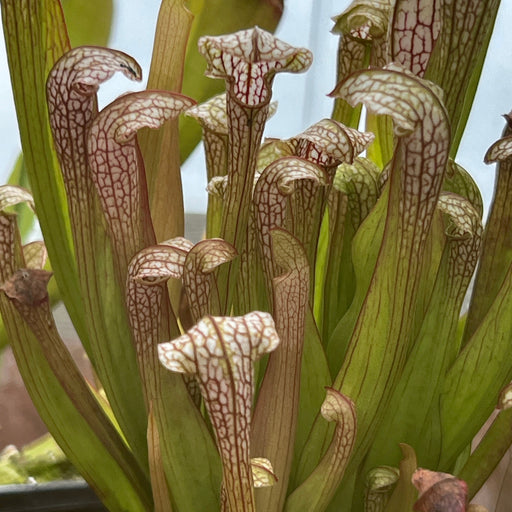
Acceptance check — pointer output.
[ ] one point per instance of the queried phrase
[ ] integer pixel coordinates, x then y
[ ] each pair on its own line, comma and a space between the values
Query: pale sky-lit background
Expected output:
302, 98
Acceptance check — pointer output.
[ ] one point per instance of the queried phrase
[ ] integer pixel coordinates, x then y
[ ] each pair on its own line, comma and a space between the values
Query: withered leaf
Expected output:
439, 492
28, 286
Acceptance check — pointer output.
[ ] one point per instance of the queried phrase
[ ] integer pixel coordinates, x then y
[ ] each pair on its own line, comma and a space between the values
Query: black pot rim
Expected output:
58, 496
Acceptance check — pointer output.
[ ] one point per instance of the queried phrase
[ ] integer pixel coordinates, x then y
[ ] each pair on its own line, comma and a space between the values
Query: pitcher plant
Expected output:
313, 351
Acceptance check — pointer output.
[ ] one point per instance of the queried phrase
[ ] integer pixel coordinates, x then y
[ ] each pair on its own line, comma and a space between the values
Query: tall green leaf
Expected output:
35, 38
380, 340
88, 22
458, 57
496, 251
160, 149
75, 430
72, 104
409, 419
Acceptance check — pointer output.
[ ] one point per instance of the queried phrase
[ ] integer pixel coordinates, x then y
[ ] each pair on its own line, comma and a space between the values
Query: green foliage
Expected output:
319, 327
42, 460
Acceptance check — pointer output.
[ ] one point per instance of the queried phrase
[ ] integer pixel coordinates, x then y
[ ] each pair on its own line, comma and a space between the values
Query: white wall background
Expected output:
302, 98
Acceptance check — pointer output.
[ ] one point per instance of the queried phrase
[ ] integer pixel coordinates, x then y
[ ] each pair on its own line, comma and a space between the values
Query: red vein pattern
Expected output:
464, 233
421, 120
327, 144
364, 19
167, 395
160, 262
9, 238
179, 258
270, 199
211, 114
464, 218
339, 408
217, 186
465, 31
501, 150
364, 27
11, 195
416, 27
359, 182
117, 167
71, 93
248, 60
198, 279
221, 352
275, 415
421, 123
317, 491
262, 472
212, 117
148, 272
271, 150
147, 301
72, 105
35, 255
